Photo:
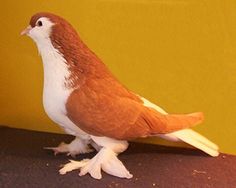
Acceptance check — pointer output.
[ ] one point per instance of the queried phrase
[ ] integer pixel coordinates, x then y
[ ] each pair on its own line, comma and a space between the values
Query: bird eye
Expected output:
39, 23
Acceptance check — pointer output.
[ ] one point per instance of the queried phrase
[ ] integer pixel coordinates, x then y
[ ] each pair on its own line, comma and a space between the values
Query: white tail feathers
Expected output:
194, 139
186, 135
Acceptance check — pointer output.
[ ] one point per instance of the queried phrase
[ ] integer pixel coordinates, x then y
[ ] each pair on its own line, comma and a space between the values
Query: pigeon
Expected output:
86, 100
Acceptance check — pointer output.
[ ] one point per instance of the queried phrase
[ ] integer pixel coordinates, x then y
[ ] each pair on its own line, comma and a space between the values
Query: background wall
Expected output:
180, 54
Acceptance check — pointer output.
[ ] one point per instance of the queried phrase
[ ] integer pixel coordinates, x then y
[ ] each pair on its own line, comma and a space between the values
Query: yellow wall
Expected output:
180, 54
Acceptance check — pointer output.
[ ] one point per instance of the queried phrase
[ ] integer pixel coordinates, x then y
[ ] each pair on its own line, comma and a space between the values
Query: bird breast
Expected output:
55, 92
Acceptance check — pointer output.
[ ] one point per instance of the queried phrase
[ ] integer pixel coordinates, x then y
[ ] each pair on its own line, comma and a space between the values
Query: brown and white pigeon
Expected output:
87, 101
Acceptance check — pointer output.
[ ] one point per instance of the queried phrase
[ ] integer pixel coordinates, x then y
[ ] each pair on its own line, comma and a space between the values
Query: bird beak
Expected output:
26, 30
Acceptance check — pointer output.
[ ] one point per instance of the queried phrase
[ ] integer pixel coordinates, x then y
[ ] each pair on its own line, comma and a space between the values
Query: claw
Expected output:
52, 148
61, 148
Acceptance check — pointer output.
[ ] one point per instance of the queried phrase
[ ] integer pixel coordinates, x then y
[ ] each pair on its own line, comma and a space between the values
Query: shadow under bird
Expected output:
82, 96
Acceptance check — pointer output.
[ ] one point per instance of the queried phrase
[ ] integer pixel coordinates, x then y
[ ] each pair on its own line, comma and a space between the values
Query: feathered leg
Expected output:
77, 146
106, 160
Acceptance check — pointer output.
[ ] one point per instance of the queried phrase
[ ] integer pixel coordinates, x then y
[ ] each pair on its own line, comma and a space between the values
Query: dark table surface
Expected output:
24, 163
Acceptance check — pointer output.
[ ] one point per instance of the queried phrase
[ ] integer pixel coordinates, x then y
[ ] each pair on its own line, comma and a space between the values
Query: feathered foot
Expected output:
77, 146
105, 159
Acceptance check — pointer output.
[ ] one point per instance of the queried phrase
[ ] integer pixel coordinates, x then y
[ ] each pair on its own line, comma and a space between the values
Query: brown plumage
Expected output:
101, 107
99, 104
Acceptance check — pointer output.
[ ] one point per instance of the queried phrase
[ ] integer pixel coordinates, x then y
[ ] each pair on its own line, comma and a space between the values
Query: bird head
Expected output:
53, 33
40, 28
44, 27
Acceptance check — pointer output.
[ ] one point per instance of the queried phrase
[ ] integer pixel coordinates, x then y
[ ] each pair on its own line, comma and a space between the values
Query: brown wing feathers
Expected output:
159, 123
103, 113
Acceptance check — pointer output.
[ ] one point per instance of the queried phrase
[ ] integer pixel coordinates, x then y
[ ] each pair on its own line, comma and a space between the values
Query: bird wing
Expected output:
105, 108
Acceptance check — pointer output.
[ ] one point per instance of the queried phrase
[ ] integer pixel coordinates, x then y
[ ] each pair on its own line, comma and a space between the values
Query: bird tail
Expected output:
193, 138
186, 135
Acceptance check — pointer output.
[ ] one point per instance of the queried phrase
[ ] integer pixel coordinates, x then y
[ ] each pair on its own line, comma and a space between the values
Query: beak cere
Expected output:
26, 30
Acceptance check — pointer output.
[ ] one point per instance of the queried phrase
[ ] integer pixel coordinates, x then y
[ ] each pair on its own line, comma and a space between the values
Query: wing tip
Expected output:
199, 116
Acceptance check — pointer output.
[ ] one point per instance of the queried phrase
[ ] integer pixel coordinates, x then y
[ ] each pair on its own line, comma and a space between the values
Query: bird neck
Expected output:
56, 70
82, 62
72, 56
